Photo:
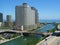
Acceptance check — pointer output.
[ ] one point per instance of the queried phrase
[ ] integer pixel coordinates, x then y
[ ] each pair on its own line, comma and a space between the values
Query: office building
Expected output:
8, 21
1, 19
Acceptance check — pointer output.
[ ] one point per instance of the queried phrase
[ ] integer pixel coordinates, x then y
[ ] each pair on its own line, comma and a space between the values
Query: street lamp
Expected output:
46, 41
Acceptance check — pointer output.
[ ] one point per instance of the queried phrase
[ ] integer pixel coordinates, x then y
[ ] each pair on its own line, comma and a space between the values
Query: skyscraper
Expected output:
25, 16
36, 14
8, 20
1, 17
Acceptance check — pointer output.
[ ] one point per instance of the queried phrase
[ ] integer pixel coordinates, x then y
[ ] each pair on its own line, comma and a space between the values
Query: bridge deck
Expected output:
38, 33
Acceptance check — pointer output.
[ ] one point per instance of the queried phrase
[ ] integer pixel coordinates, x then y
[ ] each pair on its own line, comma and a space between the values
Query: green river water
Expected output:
29, 40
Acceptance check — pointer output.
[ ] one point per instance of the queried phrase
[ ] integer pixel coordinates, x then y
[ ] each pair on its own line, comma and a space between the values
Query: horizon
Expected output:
47, 9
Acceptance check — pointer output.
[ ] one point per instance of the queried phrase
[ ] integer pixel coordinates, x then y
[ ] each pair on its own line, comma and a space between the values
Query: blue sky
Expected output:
47, 9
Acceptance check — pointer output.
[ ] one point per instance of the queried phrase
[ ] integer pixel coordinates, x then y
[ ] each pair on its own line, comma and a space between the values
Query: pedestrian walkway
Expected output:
50, 40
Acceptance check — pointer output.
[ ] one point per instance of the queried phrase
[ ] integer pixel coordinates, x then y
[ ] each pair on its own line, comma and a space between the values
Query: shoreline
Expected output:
38, 28
43, 40
49, 41
6, 40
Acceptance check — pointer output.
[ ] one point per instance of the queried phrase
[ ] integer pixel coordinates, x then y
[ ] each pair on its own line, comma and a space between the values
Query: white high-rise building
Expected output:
25, 16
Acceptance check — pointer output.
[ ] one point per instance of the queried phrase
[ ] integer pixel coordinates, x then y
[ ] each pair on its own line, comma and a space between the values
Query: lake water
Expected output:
49, 21
23, 40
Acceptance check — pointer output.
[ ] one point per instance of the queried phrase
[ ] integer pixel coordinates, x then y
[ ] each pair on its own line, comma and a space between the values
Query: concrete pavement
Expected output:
51, 40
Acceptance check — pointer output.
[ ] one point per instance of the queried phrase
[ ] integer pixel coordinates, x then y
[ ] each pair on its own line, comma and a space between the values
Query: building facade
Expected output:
1, 19
25, 16
36, 14
8, 21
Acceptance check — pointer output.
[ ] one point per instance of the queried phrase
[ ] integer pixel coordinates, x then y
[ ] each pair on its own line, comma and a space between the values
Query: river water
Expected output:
25, 39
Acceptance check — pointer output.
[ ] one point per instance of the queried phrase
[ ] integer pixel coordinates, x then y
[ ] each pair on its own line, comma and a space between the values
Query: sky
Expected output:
47, 9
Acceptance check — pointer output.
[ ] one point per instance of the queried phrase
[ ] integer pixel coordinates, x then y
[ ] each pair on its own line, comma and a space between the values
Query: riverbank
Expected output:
30, 39
47, 40
6, 40
37, 28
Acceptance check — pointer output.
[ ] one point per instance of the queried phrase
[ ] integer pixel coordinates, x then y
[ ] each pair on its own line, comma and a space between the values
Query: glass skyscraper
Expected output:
1, 17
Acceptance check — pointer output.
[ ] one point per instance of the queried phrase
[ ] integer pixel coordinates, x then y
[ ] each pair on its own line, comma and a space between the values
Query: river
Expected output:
25, 39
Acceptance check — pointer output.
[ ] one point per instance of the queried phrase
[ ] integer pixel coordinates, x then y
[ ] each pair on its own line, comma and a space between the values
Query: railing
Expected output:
38, 33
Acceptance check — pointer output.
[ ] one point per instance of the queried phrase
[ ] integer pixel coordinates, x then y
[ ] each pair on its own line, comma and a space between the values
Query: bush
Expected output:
0, 38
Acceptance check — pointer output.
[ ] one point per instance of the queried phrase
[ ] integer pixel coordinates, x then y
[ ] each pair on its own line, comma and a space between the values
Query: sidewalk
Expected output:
49, 41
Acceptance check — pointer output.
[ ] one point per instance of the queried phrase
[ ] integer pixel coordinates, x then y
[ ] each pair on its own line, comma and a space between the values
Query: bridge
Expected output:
39, 33
25, 32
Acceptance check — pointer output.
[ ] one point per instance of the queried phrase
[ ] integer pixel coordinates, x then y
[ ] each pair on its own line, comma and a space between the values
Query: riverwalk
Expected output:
6, 40
23, 41
51, 40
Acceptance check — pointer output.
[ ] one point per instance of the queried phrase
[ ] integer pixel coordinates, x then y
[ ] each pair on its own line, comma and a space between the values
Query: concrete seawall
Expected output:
49, 41
6, 40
